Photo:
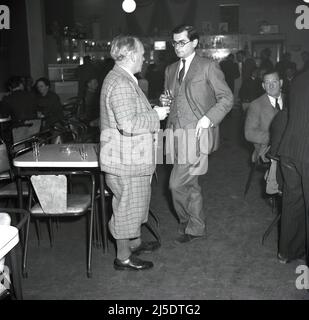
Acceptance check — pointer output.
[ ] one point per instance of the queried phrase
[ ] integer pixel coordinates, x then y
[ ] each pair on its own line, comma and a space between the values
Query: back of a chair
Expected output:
5, 166
51, 191
28, 129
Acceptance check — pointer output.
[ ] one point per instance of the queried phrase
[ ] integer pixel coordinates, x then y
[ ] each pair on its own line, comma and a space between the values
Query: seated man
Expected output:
19, 104
261, 112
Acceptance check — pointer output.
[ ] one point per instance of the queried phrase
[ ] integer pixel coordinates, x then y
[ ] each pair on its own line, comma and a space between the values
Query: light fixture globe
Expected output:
128, 6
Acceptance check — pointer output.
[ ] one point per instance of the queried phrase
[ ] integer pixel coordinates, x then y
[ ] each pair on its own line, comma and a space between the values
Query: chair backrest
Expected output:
28, 129
5, 165
51, 191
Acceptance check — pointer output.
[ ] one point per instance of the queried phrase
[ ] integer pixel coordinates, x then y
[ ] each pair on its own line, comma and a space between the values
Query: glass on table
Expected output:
36, 150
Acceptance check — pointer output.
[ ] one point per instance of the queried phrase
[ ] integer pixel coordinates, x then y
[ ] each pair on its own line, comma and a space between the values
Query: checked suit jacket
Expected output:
128, 127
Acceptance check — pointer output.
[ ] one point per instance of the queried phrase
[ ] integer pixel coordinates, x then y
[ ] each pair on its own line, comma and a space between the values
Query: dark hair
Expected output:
192, 32
14, 82
87, 59
45, 80
271, 71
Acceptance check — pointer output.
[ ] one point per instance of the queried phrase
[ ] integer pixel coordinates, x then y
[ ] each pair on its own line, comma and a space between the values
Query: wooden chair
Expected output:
51, 199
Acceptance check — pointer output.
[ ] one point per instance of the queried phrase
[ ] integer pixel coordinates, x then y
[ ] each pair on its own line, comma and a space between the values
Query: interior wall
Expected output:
15, 56
251, 14
36, 36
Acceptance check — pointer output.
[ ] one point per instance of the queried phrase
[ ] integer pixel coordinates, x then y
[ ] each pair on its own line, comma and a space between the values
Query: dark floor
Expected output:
229, 264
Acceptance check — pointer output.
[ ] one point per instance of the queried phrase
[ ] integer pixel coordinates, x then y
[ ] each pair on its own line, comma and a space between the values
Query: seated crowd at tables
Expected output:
25, 101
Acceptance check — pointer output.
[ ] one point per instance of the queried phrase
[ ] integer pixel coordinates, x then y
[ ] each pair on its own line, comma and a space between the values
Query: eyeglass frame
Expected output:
180, 43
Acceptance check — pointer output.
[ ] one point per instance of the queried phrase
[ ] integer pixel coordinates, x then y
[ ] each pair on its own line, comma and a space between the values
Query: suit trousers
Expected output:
295, 205
189, 164
131, 198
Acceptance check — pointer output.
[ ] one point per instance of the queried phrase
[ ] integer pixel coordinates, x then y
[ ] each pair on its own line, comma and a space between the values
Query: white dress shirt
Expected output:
188, 62
273, 101
130, 73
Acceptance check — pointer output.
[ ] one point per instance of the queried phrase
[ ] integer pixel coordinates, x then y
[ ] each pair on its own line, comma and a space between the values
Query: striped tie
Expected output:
182, 71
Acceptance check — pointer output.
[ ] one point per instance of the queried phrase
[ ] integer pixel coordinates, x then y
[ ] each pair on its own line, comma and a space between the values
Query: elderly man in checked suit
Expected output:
201, 99
127, 156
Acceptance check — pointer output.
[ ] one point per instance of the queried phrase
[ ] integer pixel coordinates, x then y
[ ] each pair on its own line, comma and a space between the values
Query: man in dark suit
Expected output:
261, 112
294, 157
230, 70
201, 99
21, 105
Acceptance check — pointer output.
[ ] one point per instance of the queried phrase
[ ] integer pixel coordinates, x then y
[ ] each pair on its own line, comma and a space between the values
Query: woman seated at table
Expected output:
49, 103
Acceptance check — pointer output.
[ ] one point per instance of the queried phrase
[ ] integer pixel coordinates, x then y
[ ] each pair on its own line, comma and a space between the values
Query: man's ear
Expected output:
263, 85
133, 56
195, 43
281, 83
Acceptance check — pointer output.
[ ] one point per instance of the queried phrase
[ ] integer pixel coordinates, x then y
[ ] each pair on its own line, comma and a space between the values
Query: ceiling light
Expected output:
128, 6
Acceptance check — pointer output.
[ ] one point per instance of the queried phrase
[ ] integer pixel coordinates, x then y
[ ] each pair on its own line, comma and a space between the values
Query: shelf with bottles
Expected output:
220, 41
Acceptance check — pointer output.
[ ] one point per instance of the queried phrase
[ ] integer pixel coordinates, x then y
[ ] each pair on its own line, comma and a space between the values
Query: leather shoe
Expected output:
185, 238
132, 263
146, 247
281, 259
284, 260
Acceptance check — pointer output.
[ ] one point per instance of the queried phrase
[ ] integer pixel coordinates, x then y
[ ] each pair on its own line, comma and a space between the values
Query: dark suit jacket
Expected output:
205, 88
295, 142
20, 105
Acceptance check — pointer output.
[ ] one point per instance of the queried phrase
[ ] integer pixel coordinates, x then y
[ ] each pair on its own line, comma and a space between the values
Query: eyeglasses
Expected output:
180, 43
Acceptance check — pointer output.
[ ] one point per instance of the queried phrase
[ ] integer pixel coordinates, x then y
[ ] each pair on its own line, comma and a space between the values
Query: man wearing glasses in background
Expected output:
199, 99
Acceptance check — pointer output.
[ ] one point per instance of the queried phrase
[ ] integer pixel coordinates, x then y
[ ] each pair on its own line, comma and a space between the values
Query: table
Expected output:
63, 157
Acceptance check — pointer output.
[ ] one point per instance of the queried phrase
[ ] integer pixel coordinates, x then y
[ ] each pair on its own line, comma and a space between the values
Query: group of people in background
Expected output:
25, 102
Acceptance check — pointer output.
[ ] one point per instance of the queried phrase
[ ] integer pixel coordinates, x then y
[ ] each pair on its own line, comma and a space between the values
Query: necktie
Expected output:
277, 106
182, 71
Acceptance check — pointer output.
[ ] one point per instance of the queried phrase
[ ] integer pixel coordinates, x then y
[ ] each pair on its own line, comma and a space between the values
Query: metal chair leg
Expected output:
249, 180
25, 251
38, 230
153, 231
50, 231
155, 217
271, 226
16, 278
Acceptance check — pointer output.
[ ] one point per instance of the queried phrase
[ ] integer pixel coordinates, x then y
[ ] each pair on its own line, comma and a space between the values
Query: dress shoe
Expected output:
281, 259
185, 238
132, 263
284, 260
146, 247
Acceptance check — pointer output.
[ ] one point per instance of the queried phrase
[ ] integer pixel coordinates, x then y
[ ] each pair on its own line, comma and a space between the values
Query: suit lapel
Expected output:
268, 106
193, 69
173, 72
